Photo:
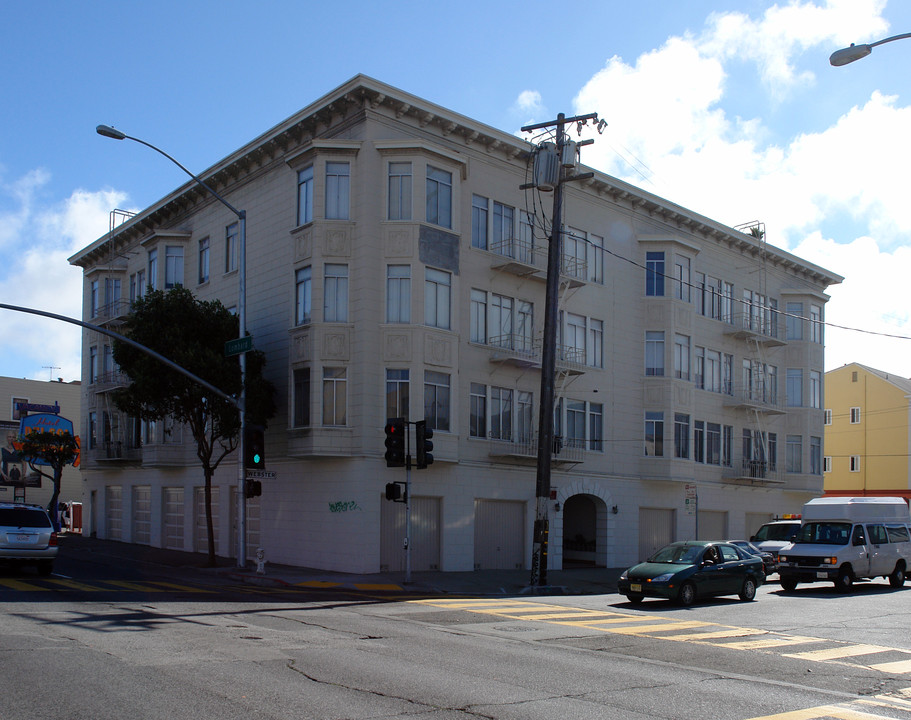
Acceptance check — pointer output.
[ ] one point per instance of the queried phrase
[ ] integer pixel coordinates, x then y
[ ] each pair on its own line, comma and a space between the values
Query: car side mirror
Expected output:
752, 538
860, 540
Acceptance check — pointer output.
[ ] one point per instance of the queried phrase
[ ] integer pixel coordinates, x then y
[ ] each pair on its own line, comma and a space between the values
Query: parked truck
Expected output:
843, 539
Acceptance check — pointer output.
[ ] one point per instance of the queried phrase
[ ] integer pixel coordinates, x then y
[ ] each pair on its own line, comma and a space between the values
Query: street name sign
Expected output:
239, 345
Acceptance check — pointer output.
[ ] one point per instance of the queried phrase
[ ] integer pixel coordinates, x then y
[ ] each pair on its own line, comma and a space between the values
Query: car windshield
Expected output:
23, 517
824, 533
782, 531
678, 554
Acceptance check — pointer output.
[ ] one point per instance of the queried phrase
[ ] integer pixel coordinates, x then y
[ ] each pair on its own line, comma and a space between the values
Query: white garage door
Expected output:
425, 535
173, 516
499, 534
113, 512
656, 529
142, 515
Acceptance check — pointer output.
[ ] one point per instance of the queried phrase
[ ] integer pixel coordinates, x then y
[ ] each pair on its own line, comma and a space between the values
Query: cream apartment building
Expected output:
396, 269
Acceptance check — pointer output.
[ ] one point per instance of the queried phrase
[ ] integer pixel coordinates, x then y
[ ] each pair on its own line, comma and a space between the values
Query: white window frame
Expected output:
854, 416
400, 191
231, 247
303, 292
437, 298
654, 353
335, 397
335, 292
305, 195
338, 190
204, 256
438, 201
173, 266
398, 392
398, 294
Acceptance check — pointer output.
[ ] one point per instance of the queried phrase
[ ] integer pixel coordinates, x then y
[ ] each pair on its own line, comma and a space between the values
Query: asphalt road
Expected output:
100, 640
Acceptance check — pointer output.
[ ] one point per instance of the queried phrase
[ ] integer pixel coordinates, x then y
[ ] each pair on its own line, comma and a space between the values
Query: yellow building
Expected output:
867, 432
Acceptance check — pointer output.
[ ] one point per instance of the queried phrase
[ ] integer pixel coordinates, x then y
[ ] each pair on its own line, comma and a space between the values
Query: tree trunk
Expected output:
210, 529
53, 508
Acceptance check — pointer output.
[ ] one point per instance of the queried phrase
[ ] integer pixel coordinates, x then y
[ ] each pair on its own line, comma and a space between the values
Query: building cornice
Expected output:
319, 121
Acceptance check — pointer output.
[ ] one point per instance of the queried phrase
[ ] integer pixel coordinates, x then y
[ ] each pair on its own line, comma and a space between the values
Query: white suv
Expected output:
27, 536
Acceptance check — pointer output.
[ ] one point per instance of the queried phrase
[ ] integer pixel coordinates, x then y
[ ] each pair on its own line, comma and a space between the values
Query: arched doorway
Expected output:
584, 531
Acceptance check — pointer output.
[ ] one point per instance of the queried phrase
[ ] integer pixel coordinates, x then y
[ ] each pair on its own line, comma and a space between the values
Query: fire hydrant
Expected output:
260, 561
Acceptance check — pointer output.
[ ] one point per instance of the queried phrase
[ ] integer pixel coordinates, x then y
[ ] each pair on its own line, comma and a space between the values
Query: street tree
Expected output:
192, 333
49, 449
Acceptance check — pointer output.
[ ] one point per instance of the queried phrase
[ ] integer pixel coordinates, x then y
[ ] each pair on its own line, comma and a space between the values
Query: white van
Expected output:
844, 539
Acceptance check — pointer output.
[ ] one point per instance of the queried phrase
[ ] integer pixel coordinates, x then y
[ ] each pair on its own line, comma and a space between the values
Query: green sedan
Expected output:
685, 571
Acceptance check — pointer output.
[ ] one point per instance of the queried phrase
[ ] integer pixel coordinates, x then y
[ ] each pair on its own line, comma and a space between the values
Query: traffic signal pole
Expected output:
407, 506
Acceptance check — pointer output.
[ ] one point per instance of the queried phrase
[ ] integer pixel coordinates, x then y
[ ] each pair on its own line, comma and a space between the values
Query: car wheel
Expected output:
845, 580
788, 584
46, 568
748, 591
897, 577
635, 599
687, 595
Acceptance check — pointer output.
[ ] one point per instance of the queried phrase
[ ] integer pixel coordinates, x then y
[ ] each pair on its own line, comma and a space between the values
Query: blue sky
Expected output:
728, 108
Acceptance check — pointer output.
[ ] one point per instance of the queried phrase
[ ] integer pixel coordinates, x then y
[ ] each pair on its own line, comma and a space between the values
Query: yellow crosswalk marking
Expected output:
820, 712
583, 615
718, 634
23, 586
902, 666
376, 586
183, 588
838, 652
663, 627
73, 585
136, 587
660, 627
770, 642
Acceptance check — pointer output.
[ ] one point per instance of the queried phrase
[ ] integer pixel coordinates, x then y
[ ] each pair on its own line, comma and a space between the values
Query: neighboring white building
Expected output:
396, 268
67, 397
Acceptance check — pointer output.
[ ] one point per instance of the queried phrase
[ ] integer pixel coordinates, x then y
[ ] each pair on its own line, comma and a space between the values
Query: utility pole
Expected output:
549, 346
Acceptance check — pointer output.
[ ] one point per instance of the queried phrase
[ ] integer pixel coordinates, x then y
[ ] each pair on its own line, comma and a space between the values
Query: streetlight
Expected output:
856, 52
241, 403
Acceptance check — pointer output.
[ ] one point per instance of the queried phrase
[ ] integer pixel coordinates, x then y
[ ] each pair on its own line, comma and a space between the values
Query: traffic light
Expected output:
422, 435
395, 442
394, 491
252, 488
255, 447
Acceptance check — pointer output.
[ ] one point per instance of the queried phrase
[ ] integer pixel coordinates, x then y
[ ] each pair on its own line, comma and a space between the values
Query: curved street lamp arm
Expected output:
110, 132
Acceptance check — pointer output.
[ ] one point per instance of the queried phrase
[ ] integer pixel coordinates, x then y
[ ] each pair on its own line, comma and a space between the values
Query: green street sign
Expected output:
239, 345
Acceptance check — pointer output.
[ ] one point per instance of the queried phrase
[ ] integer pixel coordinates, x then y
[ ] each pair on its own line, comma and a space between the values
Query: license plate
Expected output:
25, 538
635, 587
822, 575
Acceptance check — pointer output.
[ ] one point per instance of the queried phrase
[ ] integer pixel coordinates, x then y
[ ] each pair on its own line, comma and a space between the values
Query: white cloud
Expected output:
669, 133
873, 298
35, 246
529, 106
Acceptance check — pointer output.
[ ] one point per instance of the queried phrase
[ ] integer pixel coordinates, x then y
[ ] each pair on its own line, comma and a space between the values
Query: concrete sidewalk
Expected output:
575, 581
